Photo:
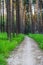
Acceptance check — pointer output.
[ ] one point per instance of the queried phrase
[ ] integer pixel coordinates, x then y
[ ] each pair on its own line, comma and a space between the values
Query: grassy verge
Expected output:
7, 46
38, 38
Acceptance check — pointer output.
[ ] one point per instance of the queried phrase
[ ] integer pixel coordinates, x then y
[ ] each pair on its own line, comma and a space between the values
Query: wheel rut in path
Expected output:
27, 53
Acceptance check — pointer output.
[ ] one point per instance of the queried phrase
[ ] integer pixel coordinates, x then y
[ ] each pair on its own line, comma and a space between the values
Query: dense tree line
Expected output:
26, 22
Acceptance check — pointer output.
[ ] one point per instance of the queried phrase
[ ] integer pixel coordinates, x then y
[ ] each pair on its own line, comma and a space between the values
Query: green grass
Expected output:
7, 46
3, 36
38, 38
2, 60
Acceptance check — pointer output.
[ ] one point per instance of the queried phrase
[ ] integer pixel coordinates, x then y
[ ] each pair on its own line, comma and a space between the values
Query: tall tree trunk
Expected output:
24, 18
17, 17
21, 16
3, 16
9, 19
40, 22
0, 14
31, 20
13, 17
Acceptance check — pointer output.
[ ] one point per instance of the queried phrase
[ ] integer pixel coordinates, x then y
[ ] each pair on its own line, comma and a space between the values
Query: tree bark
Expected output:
17, 17
9, 19
13, 18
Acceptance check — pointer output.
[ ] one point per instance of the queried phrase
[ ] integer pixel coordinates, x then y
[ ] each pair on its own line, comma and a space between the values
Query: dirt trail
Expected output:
27, 53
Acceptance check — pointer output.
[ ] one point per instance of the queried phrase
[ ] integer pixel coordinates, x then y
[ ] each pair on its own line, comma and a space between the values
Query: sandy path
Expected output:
27, 53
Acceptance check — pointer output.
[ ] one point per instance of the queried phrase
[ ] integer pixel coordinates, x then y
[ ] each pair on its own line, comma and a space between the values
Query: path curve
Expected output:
27, 53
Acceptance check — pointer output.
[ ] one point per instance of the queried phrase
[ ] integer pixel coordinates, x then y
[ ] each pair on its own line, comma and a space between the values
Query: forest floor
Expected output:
27, 53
